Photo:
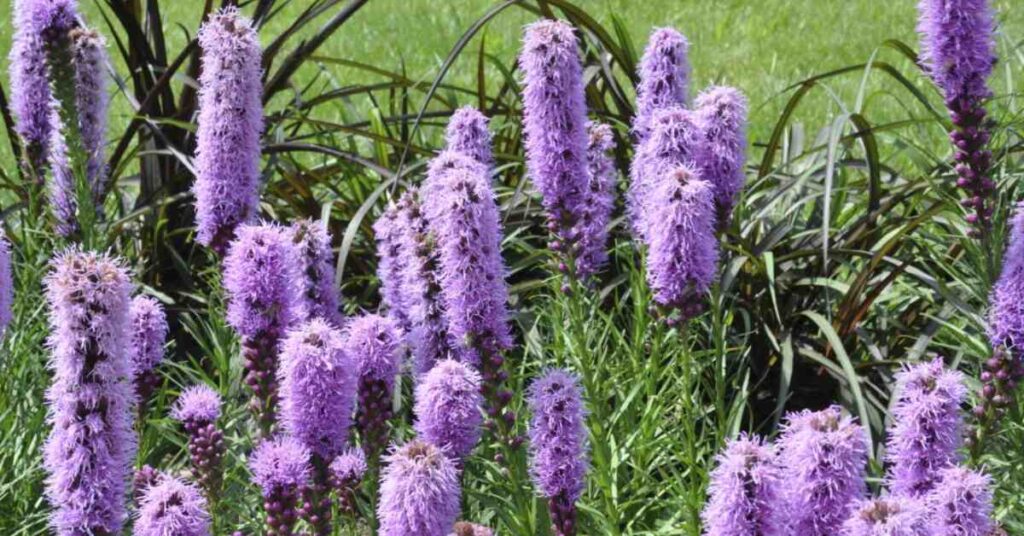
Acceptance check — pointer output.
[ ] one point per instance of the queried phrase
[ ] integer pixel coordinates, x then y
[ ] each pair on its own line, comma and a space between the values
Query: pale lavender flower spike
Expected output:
172, 507
393, 260
230, 123
664, 78
148, 336
6, 284
961, 504
722, 118
63, 195
1006, 309
927, 429
448, 408
745, 493
889, 516
825, 455
374, 344
467, 133
89, 56
318, 297
596, 215
419, 492
90, 450
197, 409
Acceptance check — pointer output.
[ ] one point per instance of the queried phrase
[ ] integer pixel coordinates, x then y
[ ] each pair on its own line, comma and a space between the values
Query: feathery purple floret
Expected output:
374, 344
6, 284
198, 403
682, 256
745, 491
280, 467
197, 409
887, 517
230, 123
91, 447
555, 123
467, 133
393, 261
664, 78
448, 404
675, 139
349, 466
927, 427
721, 116
172, 507
89, 57
318, 296
961, 504
318, 383
596, 214
825, 455
63, 191
419, 492
148, 335
1006, 310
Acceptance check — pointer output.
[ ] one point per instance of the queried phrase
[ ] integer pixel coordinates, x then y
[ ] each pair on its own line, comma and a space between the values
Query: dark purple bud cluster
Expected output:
347, 472
316, 505
563, 515
373, 415
1000, 377
144, 477
280, 467
197, 409
973, 160
260, 356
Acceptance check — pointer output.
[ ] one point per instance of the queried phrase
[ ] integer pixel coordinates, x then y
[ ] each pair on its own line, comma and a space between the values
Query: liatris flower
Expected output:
675, 139
392, 262
664, 78
555, 124
198, 409
259, 276
558, 445
319, 296
958, 51
467, 133
825, 457
722, 117
63, 191
172, 507
596, 214
148, 335
89, 57
465, 528
888, 517
6, 285
745, 491
1006, 311
447, 408
375, 344
961, 504
92, 444
144, 477
347, 472
682, 258
419, 492
280, 467
229, 126
927, 427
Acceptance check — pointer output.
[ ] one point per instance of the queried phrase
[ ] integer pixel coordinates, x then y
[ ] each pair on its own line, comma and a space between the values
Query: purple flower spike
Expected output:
888, 517
6, 285
393, 260
319, 296
675, 139
198, 409
89, 57
230, 124
1006, 312
558, 445
465, 528
825, 455
260, 271
682, 256
91, 447
961, 504
419, 492
148, 336
172, 507
927, 429
467, 133
722, 117
347, 471
375, 344
555, 123
447, 408
958, 51
280, 467
745, 492
664, 78
596, 214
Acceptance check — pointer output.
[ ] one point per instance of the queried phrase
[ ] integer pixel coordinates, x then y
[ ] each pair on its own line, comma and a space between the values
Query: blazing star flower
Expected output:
1006, 310
467, 133
419, 492
682, 257
6, 285
596, 214
90, 451
374, 343
558, 445
825, 457
927, 427
347, 472
172, 507
319, 297
230, 123
447, 408
260, 271
148, 336
664, 78
280, 467
89, 57
198, 409
722, 117
555, 123
887, 517
392, 262
745, 491
961, 503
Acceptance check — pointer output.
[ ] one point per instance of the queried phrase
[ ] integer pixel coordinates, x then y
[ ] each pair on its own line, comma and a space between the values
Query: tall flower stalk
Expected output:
318, 295
280, 467
198, 409
89, 57
1005, 368
88, 455
448, 408
664, 74
148, 336
599, 202
373, 342
467, 133
721, 116
6, 285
